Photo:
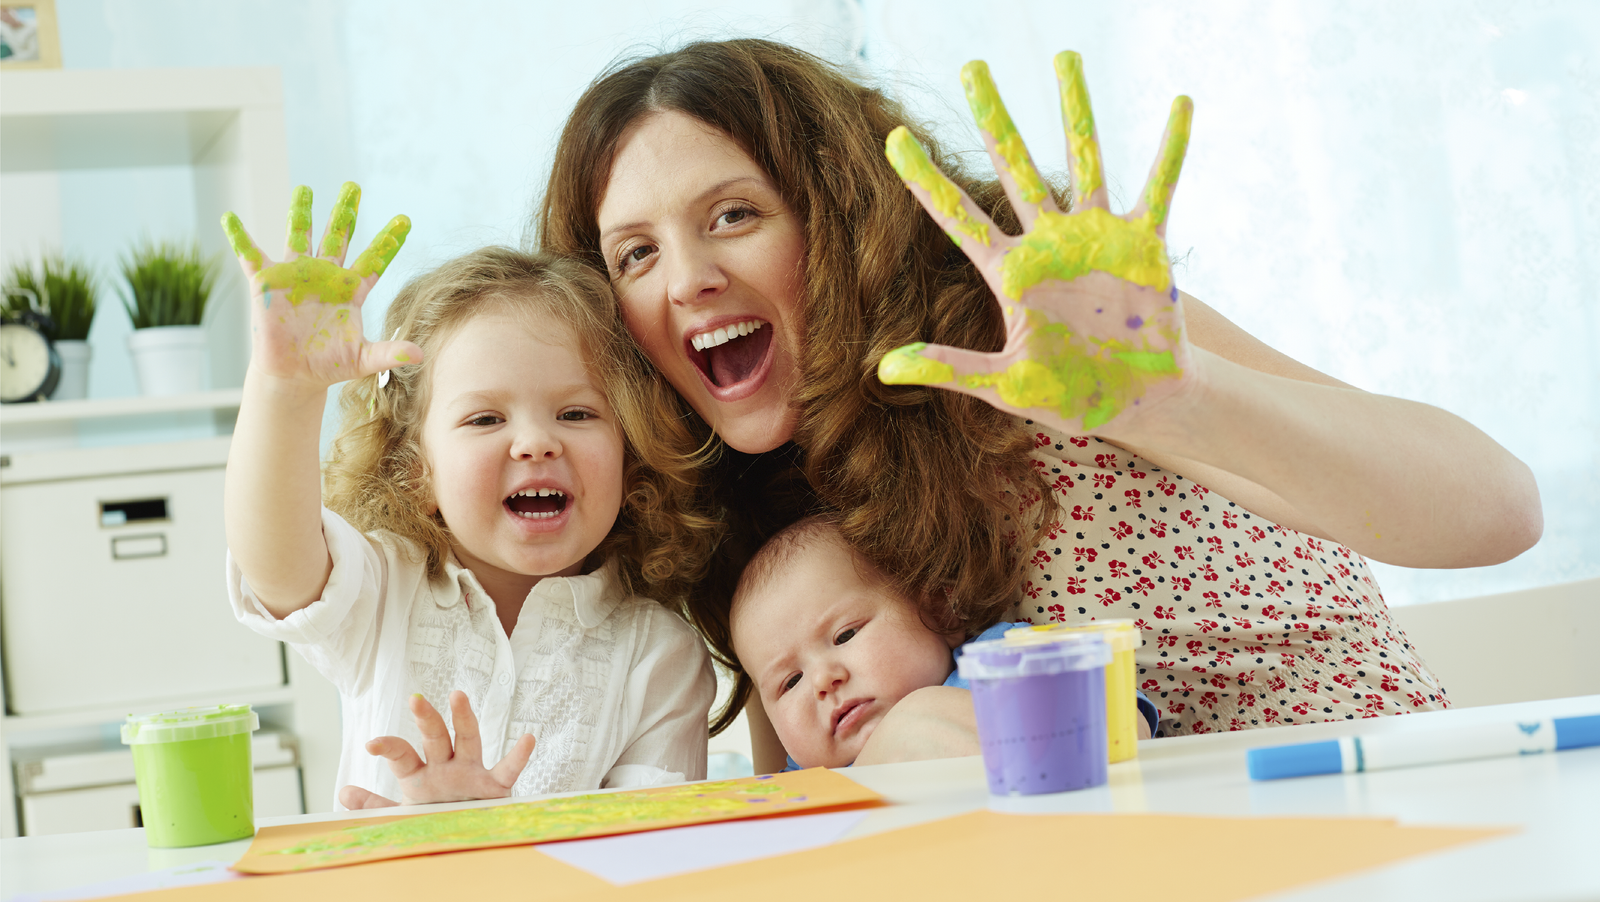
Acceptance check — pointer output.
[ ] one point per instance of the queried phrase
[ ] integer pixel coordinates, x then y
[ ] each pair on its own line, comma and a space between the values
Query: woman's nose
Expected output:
693, 275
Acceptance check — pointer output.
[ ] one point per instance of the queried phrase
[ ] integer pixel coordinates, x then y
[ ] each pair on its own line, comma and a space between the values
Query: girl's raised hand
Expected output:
1094, 330
450, 773
305, 312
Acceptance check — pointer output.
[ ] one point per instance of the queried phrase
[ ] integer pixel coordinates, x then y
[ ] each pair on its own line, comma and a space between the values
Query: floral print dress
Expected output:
1245, 623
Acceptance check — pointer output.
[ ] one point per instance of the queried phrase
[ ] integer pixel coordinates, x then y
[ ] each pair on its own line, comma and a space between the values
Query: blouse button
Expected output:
505, 678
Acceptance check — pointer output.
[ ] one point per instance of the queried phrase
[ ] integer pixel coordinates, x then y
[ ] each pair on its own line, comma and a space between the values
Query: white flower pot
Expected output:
74, 384
171, 360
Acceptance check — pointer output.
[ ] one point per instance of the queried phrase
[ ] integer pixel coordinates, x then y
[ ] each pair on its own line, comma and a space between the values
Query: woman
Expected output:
767, 258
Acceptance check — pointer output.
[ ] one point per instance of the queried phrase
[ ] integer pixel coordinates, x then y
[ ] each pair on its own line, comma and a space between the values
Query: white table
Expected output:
1554, 799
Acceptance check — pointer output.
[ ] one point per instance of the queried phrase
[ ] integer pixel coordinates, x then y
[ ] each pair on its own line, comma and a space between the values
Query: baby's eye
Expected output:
791, 682
845, 636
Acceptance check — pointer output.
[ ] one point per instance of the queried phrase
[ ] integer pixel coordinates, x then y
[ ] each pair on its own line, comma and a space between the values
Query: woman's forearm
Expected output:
1398, 481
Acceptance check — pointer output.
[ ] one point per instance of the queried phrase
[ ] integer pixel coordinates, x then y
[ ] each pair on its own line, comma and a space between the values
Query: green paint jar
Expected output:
194, 772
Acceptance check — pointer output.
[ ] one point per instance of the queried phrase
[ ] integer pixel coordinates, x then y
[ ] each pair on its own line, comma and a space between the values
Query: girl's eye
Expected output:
576, 416
485, 419
791, 682
845, 636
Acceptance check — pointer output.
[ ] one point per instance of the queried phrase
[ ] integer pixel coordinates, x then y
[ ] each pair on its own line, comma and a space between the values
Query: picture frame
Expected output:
29, 37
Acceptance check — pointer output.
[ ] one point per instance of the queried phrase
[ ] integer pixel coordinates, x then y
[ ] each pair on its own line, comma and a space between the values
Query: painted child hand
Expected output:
1094, 330
449, 774
305, 312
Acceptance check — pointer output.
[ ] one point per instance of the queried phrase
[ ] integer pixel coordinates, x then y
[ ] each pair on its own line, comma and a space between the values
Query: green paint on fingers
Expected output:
989, 111
912, 163
342, 221
300, 220
402, 358
906, 366
1078, 117
381, 252
239, 240
1164, 181
1064, 247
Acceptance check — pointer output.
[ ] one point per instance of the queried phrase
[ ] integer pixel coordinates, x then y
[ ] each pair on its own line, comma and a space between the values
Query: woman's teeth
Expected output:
724, 335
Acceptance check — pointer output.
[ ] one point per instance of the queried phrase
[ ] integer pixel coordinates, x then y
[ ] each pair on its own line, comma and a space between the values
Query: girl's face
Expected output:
523, 449
706, 259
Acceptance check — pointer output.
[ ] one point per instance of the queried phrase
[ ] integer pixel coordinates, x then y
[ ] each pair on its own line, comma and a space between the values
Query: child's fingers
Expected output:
355, 799
403, 759
966, 224
380, 253
341, 222
510, 767
1027, 191
1083, 145
298, 241
379, 356
435, 737
1156, 201
251, 260
469, 745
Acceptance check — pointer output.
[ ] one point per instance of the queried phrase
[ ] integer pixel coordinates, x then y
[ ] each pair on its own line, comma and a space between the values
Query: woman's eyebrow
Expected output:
718, 188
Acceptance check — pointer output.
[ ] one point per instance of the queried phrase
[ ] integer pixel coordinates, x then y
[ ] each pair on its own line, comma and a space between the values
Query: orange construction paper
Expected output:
280, 850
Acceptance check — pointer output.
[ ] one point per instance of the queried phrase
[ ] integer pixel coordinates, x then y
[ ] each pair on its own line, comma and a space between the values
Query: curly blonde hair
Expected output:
935, 489
377, 475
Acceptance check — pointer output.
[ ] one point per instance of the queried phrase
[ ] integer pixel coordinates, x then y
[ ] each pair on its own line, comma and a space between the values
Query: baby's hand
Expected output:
448, 775
305, 312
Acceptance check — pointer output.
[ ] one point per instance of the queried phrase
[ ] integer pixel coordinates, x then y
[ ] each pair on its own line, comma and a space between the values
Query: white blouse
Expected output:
615, 690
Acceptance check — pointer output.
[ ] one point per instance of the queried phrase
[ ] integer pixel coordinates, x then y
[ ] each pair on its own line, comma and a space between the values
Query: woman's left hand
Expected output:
1094, 328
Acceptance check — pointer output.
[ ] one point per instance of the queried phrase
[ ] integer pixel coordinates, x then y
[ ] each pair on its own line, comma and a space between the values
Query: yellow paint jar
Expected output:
1122, 709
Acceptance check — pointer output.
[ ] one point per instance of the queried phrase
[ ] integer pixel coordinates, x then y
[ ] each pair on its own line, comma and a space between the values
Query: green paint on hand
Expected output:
912, 163
1065, 246
300, 220
380, 253
1164, 181
906, 366
310, 278
239, 239
991, 115
1078, 117
342, 221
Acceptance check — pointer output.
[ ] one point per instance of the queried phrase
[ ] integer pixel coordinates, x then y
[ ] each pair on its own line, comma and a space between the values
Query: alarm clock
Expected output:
29, 364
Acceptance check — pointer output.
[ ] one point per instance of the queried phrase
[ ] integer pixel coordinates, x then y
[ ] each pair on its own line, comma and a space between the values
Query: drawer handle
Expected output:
126, 548
122, 513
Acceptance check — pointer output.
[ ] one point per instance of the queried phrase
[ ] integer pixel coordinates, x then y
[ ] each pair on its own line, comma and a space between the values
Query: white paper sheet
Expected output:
634, 857
183, 875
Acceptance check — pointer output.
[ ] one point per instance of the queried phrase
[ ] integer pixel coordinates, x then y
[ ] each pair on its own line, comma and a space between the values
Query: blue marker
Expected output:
1354, 755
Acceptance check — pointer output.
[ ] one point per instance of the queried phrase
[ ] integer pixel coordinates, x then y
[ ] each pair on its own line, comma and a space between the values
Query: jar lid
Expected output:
189, 723
1123, 634
1063, 652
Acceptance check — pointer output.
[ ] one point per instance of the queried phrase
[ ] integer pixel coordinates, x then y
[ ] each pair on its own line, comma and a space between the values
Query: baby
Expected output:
845, 667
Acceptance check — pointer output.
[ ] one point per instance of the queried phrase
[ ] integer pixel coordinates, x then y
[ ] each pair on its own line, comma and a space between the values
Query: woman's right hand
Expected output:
305, 311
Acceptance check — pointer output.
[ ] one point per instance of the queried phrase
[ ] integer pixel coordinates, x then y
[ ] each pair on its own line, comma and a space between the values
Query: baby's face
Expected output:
831, 649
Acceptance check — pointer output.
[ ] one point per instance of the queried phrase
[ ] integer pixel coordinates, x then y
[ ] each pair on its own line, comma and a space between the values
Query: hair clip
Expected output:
383, 379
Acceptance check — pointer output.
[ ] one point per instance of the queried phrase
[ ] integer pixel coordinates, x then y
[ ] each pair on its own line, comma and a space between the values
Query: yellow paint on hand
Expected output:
300, 220
308, 278
990, 113
1078, 117
906, 366
912, 163
239, 240
1065, 246
342, 221
380, 253
1164, 181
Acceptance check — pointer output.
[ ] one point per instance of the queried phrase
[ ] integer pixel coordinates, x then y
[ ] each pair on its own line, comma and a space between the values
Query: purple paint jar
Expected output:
1041, 712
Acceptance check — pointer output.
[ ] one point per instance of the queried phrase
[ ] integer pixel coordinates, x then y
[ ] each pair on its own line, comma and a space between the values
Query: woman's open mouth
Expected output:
733, 360
537, 504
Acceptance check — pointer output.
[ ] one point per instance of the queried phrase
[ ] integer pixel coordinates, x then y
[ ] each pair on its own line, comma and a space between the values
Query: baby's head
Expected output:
828, 643
529, 425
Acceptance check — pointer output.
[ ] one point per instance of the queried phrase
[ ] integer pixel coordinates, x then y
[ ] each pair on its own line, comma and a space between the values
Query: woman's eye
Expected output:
791, 682
845, 636
733, 217
634, 255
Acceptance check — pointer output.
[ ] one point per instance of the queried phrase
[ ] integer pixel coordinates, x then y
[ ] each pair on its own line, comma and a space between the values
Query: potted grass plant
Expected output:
168, 286
63, 289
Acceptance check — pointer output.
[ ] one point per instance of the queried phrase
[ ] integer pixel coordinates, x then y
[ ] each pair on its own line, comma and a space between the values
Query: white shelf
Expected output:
105, 408
22, 724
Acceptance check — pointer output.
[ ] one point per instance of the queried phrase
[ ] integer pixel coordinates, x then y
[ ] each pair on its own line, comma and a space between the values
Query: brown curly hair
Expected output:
377, 476
934, 492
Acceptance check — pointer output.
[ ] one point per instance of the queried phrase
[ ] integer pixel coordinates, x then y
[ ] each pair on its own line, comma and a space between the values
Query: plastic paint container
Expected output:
194, 772
1122, 710
1041, 710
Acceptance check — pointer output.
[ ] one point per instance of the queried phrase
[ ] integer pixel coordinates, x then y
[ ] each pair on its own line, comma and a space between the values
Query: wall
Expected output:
1404, 196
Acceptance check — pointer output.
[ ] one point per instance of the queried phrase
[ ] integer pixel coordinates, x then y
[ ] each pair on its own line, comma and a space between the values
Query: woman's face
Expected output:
706, 259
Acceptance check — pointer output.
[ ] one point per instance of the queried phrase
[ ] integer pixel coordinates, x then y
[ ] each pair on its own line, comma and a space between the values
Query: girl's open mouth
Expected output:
734, 359
537, 504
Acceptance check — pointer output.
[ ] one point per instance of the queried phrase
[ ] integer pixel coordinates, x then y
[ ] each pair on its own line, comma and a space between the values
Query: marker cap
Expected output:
1303, 760
1577, 732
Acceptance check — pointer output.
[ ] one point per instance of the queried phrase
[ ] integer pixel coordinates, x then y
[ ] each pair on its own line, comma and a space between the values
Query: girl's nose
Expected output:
693, 275
535, 443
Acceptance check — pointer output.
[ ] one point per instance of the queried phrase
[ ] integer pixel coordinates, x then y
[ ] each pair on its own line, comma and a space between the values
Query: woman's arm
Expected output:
305, 326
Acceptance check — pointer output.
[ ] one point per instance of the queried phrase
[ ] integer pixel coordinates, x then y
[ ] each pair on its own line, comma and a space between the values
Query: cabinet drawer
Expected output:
114, 593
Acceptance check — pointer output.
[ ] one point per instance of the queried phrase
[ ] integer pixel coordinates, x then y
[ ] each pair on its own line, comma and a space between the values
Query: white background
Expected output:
1406, 196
